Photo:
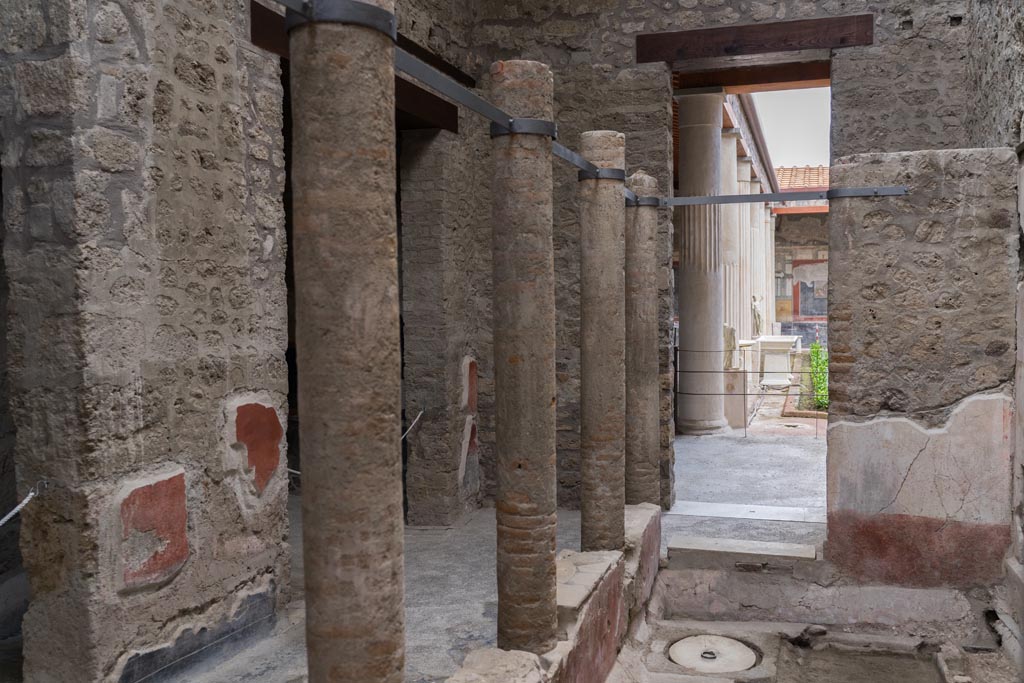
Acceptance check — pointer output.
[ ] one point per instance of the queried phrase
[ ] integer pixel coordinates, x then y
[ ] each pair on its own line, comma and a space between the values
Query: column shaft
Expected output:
603, 342
770, 232
757, 220
643, 478
346, 298
524, 363
731, 231
700, 407
743, 168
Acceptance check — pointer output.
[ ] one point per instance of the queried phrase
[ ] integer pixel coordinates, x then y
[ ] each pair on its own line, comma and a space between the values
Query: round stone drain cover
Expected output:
712, 654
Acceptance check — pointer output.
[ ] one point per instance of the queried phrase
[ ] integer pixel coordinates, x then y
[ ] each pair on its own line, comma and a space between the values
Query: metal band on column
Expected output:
344, 12
603, 174
525, 127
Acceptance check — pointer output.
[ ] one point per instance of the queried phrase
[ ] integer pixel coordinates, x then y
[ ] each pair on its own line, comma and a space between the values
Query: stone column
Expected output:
346, 299
524, 362
643, 482
700, 408
743, 175
731, 230
603, 345
769, 220
757, 221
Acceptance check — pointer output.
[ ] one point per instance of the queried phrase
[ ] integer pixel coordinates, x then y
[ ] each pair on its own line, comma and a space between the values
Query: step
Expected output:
699, 552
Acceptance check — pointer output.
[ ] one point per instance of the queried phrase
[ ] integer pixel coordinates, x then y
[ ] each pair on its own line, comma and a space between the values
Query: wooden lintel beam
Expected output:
267, 29
420, 108
781, 36
749, 79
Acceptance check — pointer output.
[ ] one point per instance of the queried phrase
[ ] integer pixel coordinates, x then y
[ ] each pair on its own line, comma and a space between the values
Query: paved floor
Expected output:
777, 462
450, 600
450, 573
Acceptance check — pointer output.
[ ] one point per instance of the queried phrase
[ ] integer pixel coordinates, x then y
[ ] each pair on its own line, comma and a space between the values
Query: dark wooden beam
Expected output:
415, 107
746, 79
782, 36
419, 108
431, 59
267, 29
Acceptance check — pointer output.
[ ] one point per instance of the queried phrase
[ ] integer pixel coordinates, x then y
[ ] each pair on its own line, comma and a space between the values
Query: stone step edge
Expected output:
722, 549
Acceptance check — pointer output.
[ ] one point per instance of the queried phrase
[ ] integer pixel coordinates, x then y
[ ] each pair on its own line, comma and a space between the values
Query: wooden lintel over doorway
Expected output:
416, 107
760, 78
750, 39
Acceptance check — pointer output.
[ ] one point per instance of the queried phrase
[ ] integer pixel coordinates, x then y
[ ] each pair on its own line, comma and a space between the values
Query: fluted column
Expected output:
347, 334
769, 221
700, 407
743, 174
756, 218
643, 392
524, 362
603, 345
731, 230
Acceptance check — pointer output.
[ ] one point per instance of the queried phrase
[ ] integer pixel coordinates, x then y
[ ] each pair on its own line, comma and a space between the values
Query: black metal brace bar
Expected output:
525, 127
563, 152
344, 12
839, 193
503, 124
603, 174
436, 80
297, 6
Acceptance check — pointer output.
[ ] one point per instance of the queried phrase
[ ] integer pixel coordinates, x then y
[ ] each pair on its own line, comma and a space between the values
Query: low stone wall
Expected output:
599, 594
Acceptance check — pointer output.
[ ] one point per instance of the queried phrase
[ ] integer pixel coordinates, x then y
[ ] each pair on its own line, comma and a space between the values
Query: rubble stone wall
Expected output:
919, 53
996, 68
922, 298
144, 253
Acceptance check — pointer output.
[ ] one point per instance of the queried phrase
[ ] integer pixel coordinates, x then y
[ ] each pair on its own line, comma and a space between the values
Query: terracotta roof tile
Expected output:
802, 177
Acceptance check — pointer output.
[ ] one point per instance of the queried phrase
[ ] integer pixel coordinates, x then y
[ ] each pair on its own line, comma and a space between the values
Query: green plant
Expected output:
819, 375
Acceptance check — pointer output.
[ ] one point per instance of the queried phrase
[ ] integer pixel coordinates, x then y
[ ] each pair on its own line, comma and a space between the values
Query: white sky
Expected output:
796, 125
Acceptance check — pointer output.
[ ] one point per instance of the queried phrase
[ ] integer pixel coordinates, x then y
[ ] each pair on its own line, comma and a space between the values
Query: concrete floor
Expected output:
450, 600
778, 462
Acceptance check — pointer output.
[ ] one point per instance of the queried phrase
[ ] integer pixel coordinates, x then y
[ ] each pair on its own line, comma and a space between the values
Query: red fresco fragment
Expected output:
259, 429
159, 509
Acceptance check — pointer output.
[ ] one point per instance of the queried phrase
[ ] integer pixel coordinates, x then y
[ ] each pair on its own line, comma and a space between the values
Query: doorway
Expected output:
764, 478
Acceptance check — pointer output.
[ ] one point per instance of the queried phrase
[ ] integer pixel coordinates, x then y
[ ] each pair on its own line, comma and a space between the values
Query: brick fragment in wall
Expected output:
258, 427
469, 385
154, 532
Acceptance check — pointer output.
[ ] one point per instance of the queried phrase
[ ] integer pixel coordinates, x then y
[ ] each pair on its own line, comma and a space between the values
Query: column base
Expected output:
701, 427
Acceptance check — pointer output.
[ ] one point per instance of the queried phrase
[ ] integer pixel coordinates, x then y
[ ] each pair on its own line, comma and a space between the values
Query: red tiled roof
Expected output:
802, 177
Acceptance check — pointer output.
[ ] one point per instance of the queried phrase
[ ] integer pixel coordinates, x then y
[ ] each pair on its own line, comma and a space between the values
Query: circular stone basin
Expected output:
712, 654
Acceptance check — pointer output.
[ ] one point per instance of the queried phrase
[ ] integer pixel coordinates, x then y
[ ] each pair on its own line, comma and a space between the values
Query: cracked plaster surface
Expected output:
957, 472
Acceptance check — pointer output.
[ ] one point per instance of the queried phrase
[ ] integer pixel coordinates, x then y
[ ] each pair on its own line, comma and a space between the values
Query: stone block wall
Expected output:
144, 254
922, 295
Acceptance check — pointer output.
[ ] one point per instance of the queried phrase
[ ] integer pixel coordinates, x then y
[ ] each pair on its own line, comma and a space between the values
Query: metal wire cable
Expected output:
33, 492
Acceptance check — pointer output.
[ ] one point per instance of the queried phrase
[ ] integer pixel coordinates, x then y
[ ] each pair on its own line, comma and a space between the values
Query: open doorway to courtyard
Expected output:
763, 479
